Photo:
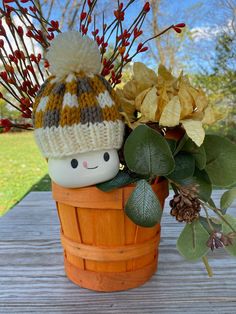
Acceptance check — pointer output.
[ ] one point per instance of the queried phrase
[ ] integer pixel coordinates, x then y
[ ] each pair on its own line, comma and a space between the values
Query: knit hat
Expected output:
76, 110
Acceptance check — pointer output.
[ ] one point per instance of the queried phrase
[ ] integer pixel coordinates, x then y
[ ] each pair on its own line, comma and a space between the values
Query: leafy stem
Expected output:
219, 214
207, 217
208, 267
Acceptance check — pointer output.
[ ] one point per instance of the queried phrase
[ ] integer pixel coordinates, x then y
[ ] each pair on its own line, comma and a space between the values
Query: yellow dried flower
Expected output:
168, 100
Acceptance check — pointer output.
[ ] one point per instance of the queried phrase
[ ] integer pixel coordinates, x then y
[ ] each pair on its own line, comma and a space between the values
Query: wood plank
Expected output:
32, 277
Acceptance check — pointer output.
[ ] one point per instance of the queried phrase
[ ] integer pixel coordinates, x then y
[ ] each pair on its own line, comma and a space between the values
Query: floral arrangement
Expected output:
165, 115
165, 138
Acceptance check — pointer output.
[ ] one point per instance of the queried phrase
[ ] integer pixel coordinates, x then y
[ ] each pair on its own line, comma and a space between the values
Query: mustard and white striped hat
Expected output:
76, 110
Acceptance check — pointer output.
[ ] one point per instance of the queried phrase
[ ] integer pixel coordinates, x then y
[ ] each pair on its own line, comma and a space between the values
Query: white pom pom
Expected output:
72, 52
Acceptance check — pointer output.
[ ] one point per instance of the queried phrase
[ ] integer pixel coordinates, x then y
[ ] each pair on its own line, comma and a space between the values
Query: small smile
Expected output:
92, 167
85, 164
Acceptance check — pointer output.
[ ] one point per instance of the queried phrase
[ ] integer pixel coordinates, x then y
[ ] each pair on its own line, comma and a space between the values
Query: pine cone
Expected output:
185, 206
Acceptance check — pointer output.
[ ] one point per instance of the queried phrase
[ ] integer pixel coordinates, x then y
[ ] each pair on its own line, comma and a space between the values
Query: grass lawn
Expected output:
22, 168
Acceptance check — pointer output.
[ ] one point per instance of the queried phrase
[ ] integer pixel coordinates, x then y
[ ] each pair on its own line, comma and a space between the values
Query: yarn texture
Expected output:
72, 52
78, 112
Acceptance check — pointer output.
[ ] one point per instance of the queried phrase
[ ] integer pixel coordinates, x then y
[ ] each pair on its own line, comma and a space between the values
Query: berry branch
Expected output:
24, 70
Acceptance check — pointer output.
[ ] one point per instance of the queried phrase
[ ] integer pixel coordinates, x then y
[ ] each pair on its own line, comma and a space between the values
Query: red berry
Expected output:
9, 68
39, 57
5, 123
29, 33
119, 15
50, 36
94, 33
46, 64
178, 30
83, 16
33, 58
143, 49
84, 29
20, 31
25, 72
55, 24
181, 25
140, 45
2, 31
3, 75
121, 6
146, 7
137, 33
34, 9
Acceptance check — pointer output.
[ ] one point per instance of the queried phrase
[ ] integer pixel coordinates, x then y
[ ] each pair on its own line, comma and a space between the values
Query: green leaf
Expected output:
148, 153
192, 241
181, 143
205, 224
184, 167
143, 206
121, 179
227, 199
201, 178
221, 160
231, 249
216, 220
172, 144
198, 153
212, 203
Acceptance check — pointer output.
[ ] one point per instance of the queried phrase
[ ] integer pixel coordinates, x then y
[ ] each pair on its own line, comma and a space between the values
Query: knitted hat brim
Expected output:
59, 142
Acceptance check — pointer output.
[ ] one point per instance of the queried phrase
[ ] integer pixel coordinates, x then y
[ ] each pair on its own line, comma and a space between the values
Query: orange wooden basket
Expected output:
103, 249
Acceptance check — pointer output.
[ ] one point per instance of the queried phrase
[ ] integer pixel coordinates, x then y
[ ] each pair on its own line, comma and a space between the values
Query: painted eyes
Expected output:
74, 163
106, 156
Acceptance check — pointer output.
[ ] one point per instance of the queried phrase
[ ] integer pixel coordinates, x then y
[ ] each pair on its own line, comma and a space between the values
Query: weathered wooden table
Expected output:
32, 278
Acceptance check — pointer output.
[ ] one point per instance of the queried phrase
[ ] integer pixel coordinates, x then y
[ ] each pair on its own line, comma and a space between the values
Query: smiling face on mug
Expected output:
84, 169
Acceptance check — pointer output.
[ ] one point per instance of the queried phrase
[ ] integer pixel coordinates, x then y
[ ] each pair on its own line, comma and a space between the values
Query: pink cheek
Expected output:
85, 164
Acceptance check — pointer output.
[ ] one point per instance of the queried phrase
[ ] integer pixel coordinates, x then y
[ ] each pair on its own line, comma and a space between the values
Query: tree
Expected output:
225, 63
220, 83
218, 76
162, 50
172, 51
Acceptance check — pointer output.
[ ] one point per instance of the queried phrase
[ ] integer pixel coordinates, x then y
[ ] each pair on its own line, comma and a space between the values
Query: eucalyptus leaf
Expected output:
121, 179
184, 167
221, 160
181, 144
200, 178
212, 203
231, 249
216, 220
148, 153
192, 241
227, 199
143, 206
198, 153
172, 144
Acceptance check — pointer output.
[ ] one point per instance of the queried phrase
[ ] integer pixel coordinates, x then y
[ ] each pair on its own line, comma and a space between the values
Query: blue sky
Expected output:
199, 19
202, 16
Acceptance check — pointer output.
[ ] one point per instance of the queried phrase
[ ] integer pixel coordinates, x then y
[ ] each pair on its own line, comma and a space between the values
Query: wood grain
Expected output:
94, 236
32, 276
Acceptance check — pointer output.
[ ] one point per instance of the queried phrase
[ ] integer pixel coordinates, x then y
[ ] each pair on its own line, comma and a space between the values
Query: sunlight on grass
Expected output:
21, 167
